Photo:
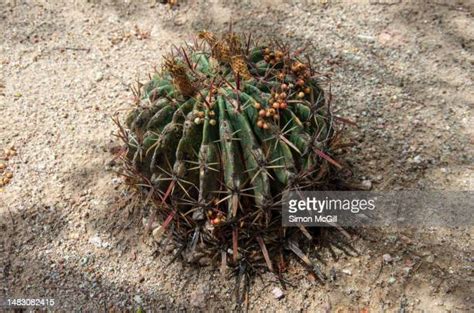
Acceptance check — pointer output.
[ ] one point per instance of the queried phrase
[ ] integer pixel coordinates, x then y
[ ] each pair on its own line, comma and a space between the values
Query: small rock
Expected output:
391, 280
430, 258
387, 258
384, 38
378, 178
205, 261
98, 242
113, 19
366, 184
99, 76
278, 293
366, 38
138, 299
347, 271
417, 159
180, 20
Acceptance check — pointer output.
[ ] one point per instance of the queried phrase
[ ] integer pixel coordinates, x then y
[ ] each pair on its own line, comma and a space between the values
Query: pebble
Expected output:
99, 76
113, 19
205, 261
180, 20
378, 178
391, 280
417, 159
138, 299
430, 258
278, 293
387, 258
98, 242
347, 271
366, 184
366, 38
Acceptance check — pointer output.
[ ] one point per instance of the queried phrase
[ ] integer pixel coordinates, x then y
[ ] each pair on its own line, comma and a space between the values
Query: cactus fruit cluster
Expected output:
217, 135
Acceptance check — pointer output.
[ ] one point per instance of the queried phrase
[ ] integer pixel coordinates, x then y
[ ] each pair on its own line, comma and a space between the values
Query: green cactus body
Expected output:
231, 130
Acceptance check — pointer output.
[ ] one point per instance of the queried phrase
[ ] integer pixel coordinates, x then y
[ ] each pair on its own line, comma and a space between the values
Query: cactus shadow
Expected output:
38, 260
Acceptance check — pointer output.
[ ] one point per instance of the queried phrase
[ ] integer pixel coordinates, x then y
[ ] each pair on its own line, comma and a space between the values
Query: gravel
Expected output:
402, 72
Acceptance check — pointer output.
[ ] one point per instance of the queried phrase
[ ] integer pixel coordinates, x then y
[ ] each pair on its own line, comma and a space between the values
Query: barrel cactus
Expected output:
216, 137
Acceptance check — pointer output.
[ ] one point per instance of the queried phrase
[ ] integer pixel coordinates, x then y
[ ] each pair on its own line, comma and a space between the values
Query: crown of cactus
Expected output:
218, 135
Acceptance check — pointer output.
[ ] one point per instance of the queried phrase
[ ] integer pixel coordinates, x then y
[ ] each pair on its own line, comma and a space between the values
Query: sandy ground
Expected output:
402, 70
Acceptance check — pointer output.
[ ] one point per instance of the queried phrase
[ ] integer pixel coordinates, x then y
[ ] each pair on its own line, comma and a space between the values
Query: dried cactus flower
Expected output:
218, 135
